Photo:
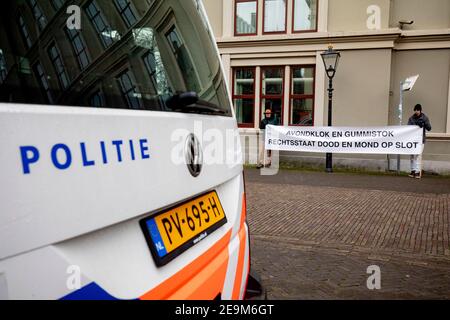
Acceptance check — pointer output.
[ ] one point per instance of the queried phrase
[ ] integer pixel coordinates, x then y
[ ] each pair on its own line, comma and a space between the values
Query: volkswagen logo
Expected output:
194, 155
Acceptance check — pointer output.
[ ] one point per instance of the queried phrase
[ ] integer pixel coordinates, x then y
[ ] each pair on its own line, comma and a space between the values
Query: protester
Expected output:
265, 157
421, 120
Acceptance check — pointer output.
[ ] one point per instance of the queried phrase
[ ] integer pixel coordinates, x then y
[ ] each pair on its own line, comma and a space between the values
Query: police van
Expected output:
120, 168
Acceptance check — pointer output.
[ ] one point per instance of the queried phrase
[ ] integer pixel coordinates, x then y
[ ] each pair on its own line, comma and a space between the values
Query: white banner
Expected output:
406, 140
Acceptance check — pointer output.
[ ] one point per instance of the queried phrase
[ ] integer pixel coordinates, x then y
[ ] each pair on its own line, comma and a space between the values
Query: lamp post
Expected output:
330, 59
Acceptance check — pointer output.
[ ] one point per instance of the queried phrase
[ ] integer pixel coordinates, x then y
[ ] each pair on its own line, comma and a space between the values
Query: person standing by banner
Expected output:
421, 120
265, 157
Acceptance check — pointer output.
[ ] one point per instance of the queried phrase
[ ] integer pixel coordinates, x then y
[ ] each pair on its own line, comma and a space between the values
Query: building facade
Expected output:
271, 53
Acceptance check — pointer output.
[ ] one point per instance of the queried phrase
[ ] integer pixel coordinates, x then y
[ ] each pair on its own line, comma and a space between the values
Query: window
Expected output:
302, 96
43, 81
244, 96
126, 11
79, 47
101, 26
25, 33
129, 90
57, 4
246, 17
3, 67
167, 51
38, 14
183, 60
58, 64
275, 12
305, 15
97, 100
156, 71
272, 93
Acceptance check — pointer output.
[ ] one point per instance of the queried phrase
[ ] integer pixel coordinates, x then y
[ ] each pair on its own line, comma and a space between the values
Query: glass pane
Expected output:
129, 16
134, 100
91, 10
184, 61
156, 71
174, 40
305, 15
274, 15
150, 63
3, 67
244, 110
273, 81
122, 4
302, 112
97, 100
84, 60
25, 33
64, 80
246, 17
38, 14
127, 85
244, 82
275, 105
57, 4
303, 81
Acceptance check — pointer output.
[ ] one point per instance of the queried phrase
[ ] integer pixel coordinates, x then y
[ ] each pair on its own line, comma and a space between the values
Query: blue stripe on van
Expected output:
90, 292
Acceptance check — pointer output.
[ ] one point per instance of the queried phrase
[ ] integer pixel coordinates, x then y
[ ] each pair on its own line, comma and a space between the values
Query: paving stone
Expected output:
315, 238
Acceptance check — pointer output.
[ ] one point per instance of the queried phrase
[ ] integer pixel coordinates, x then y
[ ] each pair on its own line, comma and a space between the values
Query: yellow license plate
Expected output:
175, 230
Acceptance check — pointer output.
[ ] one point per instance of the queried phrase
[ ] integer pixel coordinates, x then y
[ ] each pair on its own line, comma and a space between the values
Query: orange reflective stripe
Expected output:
241, 258
240, 264
244, 210
208, 283
170, 287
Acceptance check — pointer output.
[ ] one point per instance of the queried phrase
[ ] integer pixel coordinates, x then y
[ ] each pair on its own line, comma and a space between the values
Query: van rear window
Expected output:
128, 54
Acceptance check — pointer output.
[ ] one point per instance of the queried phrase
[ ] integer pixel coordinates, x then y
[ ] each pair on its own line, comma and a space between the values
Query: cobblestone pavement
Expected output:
313, 235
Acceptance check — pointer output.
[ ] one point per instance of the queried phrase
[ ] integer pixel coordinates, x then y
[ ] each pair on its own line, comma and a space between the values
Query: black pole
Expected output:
330, 123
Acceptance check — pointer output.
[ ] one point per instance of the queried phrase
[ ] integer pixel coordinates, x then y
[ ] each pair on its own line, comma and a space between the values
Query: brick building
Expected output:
271, 52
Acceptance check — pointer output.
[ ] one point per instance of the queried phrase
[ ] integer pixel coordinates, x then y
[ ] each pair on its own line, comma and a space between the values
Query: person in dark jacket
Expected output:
269, 119
421, 120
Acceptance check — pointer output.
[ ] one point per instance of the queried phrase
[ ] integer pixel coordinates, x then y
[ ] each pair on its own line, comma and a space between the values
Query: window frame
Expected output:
121, 12
3, 72
99, 92
85, 50
34, 5
236, 34
244, 96
92, 19
154, 74
271, 96
64, 72
172, 26
305, 31
135, 88
55, 6
41, 77
23, 28
293, 96
264, 20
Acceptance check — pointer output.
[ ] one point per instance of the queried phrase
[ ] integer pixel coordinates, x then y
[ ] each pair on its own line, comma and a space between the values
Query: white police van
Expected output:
120, 168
